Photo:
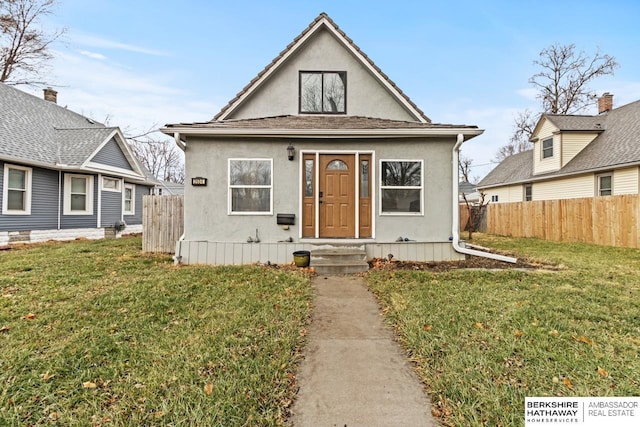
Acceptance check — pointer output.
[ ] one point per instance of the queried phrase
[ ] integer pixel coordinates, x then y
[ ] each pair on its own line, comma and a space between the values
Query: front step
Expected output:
339, 260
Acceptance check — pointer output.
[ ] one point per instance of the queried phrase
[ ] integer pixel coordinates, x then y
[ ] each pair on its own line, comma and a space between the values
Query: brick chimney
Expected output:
50, 95
605, 103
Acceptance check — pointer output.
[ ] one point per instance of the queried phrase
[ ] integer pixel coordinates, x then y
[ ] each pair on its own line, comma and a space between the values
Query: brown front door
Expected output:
337, 195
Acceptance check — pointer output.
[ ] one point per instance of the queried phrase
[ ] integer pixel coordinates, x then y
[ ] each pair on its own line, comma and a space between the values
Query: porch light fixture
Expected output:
291, 151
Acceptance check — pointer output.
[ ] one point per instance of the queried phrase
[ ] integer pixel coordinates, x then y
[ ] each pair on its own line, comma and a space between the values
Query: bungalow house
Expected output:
320, 151
573, 156
62, 175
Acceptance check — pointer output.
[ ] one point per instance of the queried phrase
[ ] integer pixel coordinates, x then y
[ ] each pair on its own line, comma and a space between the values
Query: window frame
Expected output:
543, 149
494, 198
530, 195
230, 187
67, 194
28, 180
599, 184
322, 73
382, 187
116, 180
132, 211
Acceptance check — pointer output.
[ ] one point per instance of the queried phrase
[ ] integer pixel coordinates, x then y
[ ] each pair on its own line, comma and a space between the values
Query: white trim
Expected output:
118, 188
28, 179
421, 188
99, 215
67, 194
598, 186
133, 199
99, 167
230, 187
119, 138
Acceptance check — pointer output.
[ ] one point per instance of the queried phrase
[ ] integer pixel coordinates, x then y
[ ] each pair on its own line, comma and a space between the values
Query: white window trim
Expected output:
118, 186
230, 187
553, 151
5, 190
383, 187
598, 188
133, 199
67, 194
524, 192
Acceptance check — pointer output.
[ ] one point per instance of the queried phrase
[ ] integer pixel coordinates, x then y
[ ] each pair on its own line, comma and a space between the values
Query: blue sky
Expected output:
142, 63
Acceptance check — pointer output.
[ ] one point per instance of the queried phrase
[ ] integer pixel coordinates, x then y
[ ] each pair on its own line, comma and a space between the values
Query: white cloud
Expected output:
93, 55
529, 94
97, 41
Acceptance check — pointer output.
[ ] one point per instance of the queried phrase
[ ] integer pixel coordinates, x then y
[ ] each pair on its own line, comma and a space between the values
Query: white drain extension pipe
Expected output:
455, 226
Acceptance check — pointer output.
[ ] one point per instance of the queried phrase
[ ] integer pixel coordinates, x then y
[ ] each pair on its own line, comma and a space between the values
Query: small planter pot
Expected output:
302, 258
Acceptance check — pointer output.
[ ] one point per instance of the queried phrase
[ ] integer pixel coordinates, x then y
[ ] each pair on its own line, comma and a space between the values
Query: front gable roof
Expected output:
322, 22
41, 133
616, 146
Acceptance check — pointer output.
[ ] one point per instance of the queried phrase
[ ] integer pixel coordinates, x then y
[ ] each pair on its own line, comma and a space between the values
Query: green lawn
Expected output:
96, 333
483, 340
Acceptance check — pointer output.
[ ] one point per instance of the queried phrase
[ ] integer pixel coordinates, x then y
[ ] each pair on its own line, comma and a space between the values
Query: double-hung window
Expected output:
16, 197
547, 148
323, 92
129, 199
250, 186
78, 194
605, 184
528, 192
401, 186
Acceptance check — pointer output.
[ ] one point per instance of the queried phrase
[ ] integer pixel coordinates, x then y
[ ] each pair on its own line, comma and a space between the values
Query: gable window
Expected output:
401, 186
605, 184
323, 92
110, 184
129, 199
547, 148
528, 192
16, 195
78, 194
250, 186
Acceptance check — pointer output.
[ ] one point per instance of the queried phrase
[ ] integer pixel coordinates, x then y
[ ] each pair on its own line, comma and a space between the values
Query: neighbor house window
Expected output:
494, 198
605, 185
16, 195
129, 199
323, 92
401, 186
547, 148
78, 194
528, 192
250, 186
110, 184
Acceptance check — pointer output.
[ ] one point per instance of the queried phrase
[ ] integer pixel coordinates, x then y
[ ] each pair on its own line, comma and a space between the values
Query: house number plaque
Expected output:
201, 182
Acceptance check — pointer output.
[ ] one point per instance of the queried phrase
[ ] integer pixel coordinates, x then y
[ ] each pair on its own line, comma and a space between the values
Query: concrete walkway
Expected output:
354, 373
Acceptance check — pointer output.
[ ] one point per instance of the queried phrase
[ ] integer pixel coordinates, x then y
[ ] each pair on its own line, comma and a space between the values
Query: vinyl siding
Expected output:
81, 221
625, 181
507, 194
573, 143
111, 208
141, 190
552, 163
567, 188
112, 155
44, 202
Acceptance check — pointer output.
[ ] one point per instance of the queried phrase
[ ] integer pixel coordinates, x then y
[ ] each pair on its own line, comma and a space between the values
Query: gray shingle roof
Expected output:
317, 122
617, 145
28, 126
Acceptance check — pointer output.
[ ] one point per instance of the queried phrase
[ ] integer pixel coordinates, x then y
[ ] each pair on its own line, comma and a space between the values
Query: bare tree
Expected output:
476, 211
563, 88
464, 165
24, 45
160, 156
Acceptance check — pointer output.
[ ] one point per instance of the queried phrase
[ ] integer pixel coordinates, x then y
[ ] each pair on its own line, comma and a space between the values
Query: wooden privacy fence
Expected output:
610, 220
162, 223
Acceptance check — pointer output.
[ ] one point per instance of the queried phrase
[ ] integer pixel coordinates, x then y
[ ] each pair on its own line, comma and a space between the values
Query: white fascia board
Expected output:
122, 143
112, 170
327, 133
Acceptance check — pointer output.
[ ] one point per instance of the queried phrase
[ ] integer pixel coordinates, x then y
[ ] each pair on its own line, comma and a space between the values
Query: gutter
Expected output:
177, 258
455, 227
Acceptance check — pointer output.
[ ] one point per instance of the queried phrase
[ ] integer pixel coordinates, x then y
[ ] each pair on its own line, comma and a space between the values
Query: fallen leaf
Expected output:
602, 372
555, 380
4, 329
138, 385
46, 376
436, 413
427, 327
518, 334
208, 389
566, 381
554, 332
89, 384
478, 325
29, 316
583, 339
159, 414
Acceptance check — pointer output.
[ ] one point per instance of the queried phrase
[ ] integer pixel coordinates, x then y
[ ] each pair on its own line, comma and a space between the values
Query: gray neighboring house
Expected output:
320, 149
63, 175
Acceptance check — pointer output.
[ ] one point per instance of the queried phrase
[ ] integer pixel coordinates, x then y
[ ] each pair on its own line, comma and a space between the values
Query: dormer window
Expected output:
547, 148
323, 92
